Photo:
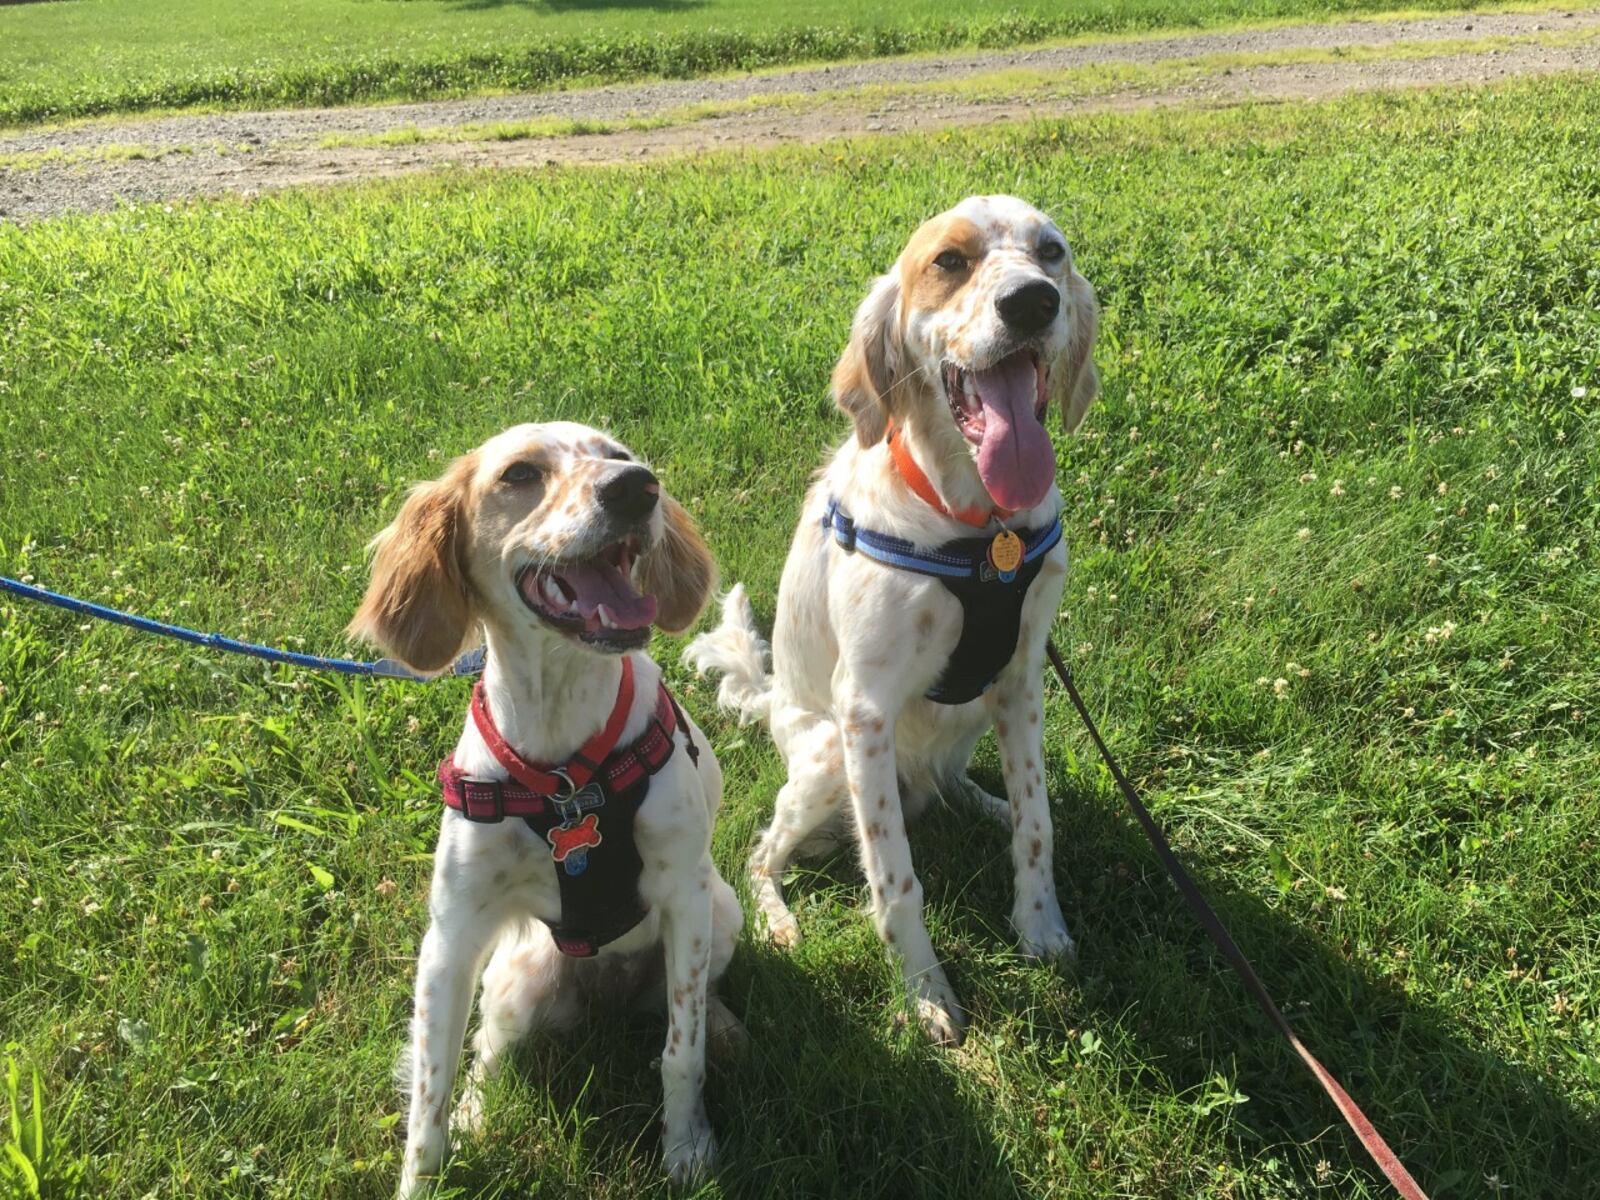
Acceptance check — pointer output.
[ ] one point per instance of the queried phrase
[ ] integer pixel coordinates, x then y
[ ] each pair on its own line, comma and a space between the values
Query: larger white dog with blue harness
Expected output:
920, 587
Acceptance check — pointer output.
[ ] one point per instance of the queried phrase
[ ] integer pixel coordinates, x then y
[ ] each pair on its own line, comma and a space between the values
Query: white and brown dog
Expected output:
921, 584
575, 850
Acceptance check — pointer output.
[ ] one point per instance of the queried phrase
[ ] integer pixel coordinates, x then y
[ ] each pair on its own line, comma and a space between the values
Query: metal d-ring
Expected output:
562, 801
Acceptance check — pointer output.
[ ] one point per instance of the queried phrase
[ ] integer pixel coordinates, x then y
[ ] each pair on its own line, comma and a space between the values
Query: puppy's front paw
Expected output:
690, 1157
1042, 932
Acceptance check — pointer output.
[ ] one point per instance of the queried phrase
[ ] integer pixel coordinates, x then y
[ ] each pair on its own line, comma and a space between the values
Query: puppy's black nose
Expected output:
1031, 307
630, 494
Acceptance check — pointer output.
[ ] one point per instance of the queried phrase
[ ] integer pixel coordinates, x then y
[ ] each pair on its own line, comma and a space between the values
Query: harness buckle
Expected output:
475, 793
844, 529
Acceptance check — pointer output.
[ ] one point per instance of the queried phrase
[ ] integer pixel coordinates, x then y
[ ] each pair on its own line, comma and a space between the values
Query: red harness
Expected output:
597, 869
532, 788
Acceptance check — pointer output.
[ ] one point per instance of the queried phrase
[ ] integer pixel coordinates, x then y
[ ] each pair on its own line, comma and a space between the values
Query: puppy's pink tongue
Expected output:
597, 582
1015, 459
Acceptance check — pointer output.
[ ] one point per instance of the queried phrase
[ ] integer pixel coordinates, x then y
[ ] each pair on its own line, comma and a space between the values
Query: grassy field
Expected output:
83, 57
1335, 595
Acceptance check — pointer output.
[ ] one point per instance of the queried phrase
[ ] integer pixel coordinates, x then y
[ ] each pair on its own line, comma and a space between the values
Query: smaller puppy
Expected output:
576, 836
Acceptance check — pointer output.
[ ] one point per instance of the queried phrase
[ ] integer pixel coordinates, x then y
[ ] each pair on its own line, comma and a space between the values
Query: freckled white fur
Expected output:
494, 895
856, 644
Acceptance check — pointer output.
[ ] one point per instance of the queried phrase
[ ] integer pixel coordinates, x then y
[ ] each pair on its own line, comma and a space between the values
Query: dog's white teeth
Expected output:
554, 595
607, 621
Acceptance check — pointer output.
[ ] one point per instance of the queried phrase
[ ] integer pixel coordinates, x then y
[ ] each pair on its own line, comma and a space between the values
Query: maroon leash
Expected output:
1388, 1162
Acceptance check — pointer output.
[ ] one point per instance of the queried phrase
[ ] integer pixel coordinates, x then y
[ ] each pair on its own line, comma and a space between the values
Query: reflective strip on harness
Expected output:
991, 604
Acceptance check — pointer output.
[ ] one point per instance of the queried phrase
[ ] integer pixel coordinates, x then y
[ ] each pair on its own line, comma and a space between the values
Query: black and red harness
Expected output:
596, 869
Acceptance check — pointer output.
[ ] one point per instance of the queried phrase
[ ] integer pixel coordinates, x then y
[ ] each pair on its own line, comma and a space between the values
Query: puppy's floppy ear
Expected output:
866, 370
678, 570
1074, 383
418, 606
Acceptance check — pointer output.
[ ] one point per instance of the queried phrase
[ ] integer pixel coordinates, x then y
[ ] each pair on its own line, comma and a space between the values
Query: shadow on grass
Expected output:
829, 1101
1460, 1117
821, 1104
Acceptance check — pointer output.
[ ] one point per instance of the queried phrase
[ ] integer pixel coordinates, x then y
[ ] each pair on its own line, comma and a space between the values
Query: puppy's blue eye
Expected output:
521, 472
1052, 252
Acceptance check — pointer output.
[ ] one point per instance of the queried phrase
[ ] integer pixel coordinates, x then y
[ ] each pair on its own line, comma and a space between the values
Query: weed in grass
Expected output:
1374, 321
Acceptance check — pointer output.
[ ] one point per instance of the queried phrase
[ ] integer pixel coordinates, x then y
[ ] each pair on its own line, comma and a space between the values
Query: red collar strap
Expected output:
580, 768
533, 789
917, 480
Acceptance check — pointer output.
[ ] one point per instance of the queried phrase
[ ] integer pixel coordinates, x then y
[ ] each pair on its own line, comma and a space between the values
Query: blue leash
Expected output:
470, 663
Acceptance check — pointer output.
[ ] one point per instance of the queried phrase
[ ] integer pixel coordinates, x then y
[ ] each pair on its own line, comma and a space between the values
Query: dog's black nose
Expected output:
630, 494
1031, 307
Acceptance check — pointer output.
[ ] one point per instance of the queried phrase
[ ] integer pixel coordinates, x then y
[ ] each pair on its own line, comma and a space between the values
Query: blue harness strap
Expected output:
470, 663
991, 603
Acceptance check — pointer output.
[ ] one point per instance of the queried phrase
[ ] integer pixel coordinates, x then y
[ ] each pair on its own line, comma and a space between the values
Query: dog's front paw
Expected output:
943, 1021
467, 1120
1042, 931
416, 1187
784, 932
690, 1157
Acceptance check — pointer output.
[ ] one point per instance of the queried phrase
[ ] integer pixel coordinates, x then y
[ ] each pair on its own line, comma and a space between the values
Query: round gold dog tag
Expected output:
1005, 552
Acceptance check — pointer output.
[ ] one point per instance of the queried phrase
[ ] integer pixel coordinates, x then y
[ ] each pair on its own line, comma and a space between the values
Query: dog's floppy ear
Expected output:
678, 570
865, 371
418, 606
1074, 383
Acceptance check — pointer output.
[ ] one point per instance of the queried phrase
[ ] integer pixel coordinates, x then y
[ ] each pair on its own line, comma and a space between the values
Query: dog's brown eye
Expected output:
521, 472
618, 454
951, 260
1052, 251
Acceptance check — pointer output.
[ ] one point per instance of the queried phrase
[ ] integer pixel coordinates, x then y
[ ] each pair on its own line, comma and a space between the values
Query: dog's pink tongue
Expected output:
597, 582
1015, 459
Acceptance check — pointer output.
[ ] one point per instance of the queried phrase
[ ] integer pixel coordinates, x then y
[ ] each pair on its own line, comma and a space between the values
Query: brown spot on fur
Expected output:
1000, 728
906, 886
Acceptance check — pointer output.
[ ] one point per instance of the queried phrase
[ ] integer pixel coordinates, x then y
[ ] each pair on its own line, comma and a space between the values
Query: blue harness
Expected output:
991, 600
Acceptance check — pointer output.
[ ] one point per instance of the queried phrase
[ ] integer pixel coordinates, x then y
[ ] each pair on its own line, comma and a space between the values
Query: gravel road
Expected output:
247, 152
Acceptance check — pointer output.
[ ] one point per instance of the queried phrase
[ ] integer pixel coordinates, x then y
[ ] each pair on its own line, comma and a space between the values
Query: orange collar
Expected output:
917, 480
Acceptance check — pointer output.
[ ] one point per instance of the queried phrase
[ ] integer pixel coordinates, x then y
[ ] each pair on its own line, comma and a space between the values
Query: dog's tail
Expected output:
736, 650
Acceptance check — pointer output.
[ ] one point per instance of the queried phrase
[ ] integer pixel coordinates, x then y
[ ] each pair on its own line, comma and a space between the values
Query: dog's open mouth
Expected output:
592, 599
1000, 410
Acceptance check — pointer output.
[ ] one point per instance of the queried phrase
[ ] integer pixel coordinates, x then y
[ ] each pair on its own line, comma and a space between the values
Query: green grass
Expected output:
1346, 442
85, 57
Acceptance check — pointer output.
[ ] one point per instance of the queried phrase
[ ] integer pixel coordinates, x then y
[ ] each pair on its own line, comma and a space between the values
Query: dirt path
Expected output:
207, 154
